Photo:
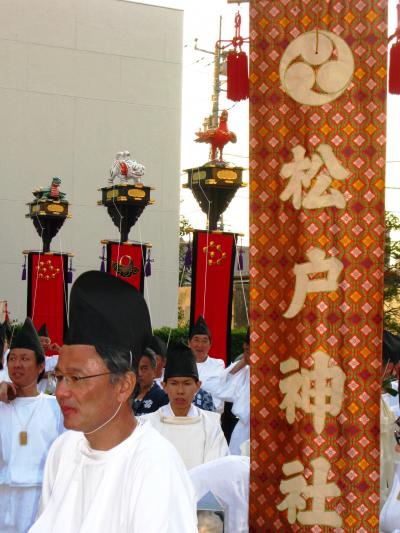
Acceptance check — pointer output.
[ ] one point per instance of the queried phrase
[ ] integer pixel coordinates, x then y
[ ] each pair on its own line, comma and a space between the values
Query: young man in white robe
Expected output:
209, 368
29, 423
234, 386
195, 433
104, 476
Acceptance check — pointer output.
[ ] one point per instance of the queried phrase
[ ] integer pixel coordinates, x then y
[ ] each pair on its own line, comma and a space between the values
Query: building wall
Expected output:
79, 81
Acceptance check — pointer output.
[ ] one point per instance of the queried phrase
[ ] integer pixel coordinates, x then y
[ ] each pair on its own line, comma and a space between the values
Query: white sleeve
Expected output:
50, 363
173, 493
50, 470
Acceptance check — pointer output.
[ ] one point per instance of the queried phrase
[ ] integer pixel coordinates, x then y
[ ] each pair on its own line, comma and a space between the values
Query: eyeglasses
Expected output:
54, 379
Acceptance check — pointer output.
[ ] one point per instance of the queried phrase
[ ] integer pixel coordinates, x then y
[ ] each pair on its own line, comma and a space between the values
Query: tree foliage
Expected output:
392, 276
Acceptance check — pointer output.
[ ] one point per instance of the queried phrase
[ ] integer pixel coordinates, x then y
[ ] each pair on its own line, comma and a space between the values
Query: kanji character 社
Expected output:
297, 491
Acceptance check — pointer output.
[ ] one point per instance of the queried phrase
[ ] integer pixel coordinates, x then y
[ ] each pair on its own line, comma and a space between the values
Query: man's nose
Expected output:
62, 391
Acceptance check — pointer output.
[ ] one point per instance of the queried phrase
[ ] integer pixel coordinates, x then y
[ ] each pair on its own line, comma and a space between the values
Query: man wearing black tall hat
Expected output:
106, 475
196, 434
209, 368
29, 423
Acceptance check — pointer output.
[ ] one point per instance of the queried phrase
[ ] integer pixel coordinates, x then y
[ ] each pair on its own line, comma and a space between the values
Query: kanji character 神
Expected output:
318, 391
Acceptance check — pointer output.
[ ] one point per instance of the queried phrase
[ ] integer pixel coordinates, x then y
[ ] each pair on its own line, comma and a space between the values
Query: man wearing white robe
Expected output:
29, 423
389, 520
195, 433
209, 368
233, 385
228, 479
105, 476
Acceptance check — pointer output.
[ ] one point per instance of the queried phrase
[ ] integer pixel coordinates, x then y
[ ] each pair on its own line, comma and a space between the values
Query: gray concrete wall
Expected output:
79, 81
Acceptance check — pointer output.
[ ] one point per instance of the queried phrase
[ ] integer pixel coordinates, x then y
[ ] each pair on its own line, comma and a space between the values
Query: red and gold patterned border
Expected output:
335, 309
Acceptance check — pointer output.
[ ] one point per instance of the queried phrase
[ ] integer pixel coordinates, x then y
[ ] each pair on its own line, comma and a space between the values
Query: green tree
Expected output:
391, 291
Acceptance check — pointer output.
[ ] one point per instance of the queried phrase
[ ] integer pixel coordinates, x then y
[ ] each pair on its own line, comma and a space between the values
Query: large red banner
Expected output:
317, 160
48, 292
127, 261
212, 283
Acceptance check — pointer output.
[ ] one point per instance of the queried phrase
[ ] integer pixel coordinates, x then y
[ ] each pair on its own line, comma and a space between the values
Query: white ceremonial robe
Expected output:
235, 388
198, 437
50, 363
389, 521
4, 371
139, 486
228, 479
22, 466
209, 375
387, 451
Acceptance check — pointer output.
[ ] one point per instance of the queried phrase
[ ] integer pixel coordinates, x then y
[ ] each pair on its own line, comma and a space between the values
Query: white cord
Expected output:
37, 268
65, 284
120, 227
177, 300
146, 285
105, 423
207, 241
242, 285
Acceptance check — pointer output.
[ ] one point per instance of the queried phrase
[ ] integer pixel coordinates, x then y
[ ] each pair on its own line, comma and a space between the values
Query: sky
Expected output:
201, 20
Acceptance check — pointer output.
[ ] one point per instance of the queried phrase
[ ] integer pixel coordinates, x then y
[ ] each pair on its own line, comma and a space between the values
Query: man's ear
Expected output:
126, 385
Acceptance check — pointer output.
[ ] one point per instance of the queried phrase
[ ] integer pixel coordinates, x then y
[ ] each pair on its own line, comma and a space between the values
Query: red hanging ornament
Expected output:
237, 66
394, 65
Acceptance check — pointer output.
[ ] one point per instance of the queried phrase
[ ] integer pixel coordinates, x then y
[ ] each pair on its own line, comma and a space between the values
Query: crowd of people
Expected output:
115, 422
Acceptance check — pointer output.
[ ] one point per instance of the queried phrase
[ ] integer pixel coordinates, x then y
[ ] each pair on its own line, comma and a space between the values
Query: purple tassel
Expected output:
147, 268
70, 270
240, 259
188, 256
23, 277
103, 260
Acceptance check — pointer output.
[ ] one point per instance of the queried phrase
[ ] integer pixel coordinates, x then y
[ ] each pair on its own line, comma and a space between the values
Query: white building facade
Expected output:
79, 81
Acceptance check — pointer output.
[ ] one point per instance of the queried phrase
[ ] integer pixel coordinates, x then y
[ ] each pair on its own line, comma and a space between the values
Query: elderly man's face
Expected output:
88, 403
200, 345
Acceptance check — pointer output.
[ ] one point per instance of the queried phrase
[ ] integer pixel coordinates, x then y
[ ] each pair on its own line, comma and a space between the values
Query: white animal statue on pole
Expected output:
124, 169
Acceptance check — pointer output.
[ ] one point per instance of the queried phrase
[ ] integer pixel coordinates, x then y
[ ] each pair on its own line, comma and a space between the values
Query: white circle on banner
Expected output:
316, 68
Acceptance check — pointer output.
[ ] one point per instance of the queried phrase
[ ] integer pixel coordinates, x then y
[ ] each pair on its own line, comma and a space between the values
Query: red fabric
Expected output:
238, 77
122, 254
47, 293
394, 69
212, 287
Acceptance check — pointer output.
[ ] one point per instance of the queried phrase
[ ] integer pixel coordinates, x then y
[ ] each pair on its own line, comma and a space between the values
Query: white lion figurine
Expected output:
124, 169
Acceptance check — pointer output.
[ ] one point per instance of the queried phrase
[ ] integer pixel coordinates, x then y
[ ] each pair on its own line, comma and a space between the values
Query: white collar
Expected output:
166, 410
205, 360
